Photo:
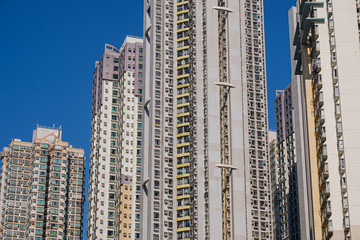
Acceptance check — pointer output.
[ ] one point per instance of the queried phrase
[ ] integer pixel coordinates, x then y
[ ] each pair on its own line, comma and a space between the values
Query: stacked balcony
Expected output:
183, 120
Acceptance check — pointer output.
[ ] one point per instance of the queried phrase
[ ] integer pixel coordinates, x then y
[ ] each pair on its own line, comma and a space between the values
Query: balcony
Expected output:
328, 208
331, 26
321, 115
323, 134
316, 65
341, 147
319, 82
346, 223
328, 230
324, 152
343, 185
335, 76
316, 32
330, 9
333, 59
326, 191
326, 170
345, 203
332, 43
321, 99
323, 182
339, 129
317, 48
342, 165
336, 93
337, 111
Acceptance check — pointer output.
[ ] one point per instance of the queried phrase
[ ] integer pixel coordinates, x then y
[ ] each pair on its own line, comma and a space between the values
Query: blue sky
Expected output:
47, 55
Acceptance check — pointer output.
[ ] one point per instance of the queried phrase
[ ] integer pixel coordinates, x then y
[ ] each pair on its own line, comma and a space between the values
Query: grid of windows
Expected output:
42, 190
257, 115
183, 121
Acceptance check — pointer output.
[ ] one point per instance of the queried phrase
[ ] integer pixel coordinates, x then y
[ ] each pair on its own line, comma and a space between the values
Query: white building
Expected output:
114, 188
207, 60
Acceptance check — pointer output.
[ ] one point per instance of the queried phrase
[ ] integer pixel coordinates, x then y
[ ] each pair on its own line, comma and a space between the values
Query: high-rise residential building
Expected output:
287, 165
16, 162
274, 182
115, 167
42, 188
129, 163
327, 58
305, 145
205, 139
105, 136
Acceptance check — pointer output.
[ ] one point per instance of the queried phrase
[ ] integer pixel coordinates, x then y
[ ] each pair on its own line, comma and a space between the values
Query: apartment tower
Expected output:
326, 40
129, 164
114, 187
205, 138
287, 165
104, 157
42, 188
274, 181
304, 143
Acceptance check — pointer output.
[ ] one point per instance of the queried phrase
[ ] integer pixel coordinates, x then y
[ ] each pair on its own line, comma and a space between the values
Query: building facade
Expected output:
105, 136
15, 189
206, 60
274, 181
114, 188
158, 192
287, 165
305, 144
327, 57
42, 188
129, 164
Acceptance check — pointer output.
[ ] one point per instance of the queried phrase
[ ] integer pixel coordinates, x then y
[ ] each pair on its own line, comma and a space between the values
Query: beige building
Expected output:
125, 213
327, 58
42, 188
16, 161
274, 181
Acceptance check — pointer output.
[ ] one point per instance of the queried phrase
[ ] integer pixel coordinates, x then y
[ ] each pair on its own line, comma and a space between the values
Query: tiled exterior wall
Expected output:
50, 193
185, 58
116, 146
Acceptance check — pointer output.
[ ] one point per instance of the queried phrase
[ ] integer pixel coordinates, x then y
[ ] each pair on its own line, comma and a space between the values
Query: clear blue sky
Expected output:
47, 55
